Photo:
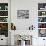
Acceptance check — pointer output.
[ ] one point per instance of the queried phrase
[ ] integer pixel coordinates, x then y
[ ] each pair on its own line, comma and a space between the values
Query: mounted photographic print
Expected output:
22, 14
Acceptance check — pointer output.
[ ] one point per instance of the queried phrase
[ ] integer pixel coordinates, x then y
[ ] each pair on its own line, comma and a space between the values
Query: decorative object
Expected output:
41, 6
31, 27
6, 7
0, 7
43, 13
41, 19
13, 27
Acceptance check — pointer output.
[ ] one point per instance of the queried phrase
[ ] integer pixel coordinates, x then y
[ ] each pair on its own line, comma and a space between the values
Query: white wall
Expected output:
22, 25
5, 39
24, 5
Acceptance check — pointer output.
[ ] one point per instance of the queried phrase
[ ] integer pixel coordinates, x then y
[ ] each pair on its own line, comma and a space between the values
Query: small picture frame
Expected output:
22, 14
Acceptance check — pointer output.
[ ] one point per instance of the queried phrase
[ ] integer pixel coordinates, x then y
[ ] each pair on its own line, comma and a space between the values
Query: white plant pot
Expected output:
22, 43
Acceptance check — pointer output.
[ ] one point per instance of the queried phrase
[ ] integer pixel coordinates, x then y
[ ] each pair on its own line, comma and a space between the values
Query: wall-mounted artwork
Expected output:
42, 33
31, 27
22, 14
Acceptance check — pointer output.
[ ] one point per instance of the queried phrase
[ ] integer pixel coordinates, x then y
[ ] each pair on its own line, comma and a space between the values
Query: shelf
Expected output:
41, 10
42, 19
41, 28
3, 16
3, 10
42, 16
3, 22
41, 22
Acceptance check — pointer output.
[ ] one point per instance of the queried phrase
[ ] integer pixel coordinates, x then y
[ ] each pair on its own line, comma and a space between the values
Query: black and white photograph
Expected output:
22, 14
3, 19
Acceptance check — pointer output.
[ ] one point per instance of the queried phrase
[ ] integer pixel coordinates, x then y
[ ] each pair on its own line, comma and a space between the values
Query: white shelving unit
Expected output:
4, 21
42, 18
4, 36
42, 10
